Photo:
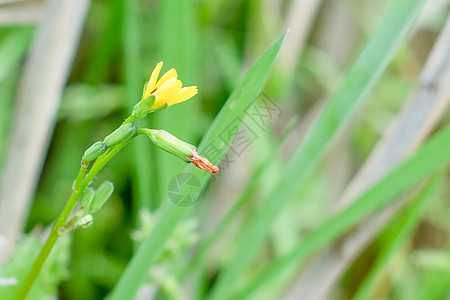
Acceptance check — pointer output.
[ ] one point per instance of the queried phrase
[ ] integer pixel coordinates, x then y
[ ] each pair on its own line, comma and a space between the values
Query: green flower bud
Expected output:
84, 222
145, 89
77, 222
119, 135
171, 144
94, 151
145, 106
102, 194
86, 200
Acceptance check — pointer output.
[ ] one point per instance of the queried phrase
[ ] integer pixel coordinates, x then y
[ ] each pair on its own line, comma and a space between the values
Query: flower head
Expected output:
159, 94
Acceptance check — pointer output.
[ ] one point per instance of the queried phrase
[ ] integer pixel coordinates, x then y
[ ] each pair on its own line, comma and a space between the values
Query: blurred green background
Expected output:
212, 44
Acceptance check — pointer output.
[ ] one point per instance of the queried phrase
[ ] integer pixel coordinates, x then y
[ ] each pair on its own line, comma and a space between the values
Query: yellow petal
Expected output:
174, 92
172, 73
164, 93
153, 78
184, 94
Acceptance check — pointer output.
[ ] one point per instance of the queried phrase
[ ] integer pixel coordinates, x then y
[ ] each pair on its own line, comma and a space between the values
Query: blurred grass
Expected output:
357, 83
177, 18
54, 270
13, 46
152, 246
397, 233
429, 157
211, 44
143, 193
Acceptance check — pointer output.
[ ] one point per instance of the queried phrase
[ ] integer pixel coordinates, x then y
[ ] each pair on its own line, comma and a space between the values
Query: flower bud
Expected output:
77, 222
143, 107
183, 150
171, 144
84, 222
86, 200
146, 106
204, 164
102, 194
94, 151
119, 135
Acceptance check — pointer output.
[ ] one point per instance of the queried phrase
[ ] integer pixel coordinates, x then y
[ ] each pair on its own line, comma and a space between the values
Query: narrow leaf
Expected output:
153, 244
432, 155
363, 74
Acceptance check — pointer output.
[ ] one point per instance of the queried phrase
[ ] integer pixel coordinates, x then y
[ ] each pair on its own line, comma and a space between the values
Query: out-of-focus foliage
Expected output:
212, 44
54, 271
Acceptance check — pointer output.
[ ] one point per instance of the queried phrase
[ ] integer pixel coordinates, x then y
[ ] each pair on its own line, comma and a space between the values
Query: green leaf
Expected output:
12, 48
361, 77
430, 156
178, 37
142, 163
53, 272
151, 247
398, 231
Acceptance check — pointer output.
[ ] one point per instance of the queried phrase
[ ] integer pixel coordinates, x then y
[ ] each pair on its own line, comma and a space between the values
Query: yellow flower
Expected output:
168, 89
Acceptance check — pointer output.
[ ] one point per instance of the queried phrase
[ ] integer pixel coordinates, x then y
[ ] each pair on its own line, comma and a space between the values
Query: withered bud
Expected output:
202, 163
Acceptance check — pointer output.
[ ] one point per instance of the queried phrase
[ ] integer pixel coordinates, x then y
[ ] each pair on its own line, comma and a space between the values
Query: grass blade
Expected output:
413, 124
432, 155
179, 49
131, 43
402, 229
357, 83
224, 224
247, 91
38, 92
12, 49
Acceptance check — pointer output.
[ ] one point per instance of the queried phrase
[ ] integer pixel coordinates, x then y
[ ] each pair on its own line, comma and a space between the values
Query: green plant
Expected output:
158, 94
332, 145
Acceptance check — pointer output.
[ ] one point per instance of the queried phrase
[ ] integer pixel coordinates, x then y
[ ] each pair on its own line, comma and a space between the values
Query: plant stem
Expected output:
129, 120
81, 183
45, 251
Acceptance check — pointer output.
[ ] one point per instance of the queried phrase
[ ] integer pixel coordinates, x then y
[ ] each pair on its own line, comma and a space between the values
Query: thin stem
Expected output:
78, 188
48, 246
130, 119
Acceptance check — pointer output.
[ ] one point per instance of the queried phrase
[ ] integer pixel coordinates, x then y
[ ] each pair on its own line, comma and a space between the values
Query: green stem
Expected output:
129, 119
45, 251
78, 188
